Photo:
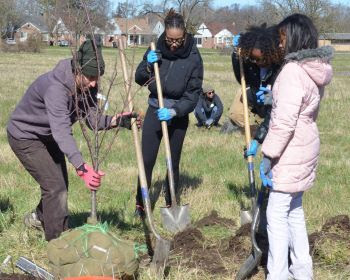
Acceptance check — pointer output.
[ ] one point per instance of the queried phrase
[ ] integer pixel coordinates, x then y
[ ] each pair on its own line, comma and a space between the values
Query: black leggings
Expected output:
151, 138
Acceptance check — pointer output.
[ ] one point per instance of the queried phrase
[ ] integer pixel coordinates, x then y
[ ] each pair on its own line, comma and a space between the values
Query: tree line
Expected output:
328, 16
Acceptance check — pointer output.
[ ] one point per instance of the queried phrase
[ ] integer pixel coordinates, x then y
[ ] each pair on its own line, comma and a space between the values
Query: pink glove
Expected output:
90, 177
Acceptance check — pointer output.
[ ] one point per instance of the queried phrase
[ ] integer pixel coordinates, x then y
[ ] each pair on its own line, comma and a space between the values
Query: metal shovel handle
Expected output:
165, 133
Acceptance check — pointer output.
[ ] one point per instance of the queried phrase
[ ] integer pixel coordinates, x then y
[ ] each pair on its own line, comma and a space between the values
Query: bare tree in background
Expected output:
9, 17
191, 10
317, 10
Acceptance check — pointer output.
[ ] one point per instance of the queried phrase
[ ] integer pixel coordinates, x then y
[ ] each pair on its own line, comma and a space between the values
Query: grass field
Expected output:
213, 171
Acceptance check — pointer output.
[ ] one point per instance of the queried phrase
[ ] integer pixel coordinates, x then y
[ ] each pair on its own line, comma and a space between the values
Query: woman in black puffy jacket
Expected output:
181, 75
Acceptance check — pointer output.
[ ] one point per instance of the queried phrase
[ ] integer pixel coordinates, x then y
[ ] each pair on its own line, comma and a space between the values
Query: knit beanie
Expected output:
86, 58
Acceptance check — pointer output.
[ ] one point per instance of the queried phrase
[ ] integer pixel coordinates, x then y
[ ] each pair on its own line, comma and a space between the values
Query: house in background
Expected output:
61, 33
139, 31
339, 41
32, 26
215, 35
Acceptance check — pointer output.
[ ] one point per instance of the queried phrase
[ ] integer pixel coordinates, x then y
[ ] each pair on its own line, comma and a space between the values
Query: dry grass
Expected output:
212, 164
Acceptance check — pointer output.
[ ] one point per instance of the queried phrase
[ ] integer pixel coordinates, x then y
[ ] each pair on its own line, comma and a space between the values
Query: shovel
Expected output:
254, 259
175, 218
162, 247
31, 268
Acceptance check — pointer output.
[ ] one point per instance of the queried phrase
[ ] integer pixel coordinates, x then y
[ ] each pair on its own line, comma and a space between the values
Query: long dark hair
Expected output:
300, 31
174, 20
264, 39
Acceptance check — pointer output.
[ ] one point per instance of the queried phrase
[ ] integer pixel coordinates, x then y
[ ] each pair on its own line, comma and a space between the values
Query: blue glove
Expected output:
235, 40
154, 56
260, 95
165, 114
253, 148
266, 173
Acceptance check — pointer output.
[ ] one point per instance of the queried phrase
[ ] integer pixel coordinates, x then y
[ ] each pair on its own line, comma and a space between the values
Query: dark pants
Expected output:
46, 163
202, 116
151, 138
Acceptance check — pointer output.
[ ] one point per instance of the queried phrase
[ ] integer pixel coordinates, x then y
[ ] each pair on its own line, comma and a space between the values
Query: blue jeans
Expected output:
203, 116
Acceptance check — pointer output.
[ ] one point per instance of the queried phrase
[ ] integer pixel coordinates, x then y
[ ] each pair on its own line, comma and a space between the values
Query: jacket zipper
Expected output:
167, 74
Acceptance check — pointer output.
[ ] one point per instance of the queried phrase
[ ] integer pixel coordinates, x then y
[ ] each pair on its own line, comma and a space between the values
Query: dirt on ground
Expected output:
331, 245
192, 250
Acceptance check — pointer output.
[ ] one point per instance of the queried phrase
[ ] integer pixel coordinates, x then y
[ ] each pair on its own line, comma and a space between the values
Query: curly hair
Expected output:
264, 39
174, 20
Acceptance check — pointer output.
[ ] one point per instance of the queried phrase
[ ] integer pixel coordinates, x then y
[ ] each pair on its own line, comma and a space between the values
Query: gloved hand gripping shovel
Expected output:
175, 218
254, 259
162, 247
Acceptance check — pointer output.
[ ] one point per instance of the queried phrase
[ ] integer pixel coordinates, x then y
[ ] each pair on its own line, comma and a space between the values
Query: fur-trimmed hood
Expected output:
315, 62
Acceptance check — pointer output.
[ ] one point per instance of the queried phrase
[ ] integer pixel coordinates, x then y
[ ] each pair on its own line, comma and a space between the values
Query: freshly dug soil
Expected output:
331, 245
16, 277
192, 250
214, 219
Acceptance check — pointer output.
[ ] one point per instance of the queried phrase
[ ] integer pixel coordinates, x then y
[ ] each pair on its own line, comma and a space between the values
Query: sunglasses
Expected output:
177, 42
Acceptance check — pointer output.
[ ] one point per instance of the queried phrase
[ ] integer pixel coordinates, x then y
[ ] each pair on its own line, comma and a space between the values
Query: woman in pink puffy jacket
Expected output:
291, 147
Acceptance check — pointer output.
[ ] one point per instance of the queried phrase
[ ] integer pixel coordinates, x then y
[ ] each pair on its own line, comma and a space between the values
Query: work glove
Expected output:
165, 114
153, 56
91, 178
235, 40
264, 96
124, 120
253, 148
266, 173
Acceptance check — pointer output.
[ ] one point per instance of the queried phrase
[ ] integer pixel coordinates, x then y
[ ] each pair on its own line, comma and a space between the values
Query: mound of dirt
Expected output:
16, 277
331, 245
190, 249
214, 219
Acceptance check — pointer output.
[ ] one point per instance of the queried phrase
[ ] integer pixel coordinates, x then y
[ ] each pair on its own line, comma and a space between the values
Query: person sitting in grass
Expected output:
261, 61
209, 108
40, 133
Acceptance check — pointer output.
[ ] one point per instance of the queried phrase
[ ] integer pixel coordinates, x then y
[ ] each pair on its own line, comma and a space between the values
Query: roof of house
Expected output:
37, 22
216, 27
135, 25
335, 36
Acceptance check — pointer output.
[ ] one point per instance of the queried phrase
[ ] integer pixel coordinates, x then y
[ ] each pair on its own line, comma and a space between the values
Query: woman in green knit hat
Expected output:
40, 132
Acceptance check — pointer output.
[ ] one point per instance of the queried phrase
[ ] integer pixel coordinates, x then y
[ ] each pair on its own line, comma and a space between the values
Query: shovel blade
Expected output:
176, 218
249, 265
246, 217
160, 257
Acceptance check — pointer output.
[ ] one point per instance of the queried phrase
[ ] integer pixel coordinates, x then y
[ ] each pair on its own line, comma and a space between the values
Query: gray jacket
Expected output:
47, 111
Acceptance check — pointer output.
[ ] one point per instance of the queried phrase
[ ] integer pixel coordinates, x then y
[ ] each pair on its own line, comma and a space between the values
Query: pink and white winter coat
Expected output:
293, 141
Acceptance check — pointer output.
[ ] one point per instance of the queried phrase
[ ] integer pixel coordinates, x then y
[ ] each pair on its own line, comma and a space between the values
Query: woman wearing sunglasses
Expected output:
181, 74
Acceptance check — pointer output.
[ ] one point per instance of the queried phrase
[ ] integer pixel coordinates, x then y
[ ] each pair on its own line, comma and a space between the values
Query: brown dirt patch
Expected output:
214, 219
16, 277
189, 247
331, 245
192, 250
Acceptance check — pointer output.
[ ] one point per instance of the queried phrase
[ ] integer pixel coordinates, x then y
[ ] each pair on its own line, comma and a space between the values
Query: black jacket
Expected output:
205, 103
181, 80
252, 77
